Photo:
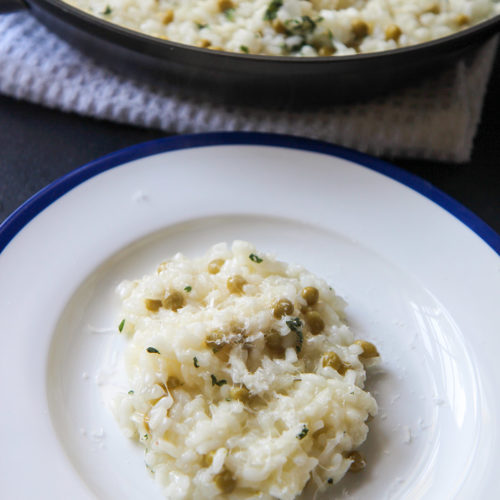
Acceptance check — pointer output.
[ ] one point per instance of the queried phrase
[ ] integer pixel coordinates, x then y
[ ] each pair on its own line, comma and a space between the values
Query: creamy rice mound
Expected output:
245, 382
294, 27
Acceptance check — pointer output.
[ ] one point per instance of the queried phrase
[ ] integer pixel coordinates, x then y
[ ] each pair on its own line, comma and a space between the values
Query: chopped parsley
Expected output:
305, 27
301, 26
121, 325
107, 10
252, 256
131, 391
195, 361
229, 13
272, 10
296, 326
217, 382
200, 26
153, 350
244, 49
188, 288
297, 47
300, 340
303, 433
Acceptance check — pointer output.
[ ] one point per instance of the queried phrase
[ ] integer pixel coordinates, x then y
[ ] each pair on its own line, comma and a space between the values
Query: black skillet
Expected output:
242, 78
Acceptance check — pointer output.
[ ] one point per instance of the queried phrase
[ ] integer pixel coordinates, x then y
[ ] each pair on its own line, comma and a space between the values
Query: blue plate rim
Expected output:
14, 223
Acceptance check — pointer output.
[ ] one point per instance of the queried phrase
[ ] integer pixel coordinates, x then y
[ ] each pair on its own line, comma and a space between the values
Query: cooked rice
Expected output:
233, 393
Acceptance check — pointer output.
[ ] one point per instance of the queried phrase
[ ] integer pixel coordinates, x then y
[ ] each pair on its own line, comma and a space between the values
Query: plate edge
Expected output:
16, 221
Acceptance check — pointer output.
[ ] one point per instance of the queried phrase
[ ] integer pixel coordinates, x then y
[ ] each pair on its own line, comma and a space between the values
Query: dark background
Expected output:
38, 145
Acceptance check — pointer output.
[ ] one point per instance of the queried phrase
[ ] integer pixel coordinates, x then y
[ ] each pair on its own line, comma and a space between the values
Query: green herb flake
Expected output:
200, 26
296, 326
298, 46
121, 325
131, 391
303, 433
146, 436
195, 361
255, 258
107, 10
272, 10
153, 350
220, 383
188, 288
229, 13
300, 340
244, 49
301, 27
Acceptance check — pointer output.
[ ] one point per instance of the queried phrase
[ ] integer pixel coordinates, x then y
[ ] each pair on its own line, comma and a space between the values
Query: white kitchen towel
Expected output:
436, 119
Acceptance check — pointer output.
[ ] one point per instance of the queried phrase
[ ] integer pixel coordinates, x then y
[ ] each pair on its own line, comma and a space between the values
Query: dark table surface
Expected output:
38, 145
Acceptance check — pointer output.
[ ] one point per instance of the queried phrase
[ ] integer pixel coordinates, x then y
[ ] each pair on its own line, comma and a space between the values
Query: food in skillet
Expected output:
245, 381
294, 27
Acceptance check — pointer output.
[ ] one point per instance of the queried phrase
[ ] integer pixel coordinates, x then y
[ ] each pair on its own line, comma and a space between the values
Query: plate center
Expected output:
425, 386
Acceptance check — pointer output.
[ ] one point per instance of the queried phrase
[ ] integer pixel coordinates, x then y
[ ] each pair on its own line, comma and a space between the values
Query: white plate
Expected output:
420, 283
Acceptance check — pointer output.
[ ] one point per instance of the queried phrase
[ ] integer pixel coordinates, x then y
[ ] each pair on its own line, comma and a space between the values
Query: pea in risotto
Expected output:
294, 27
245, 381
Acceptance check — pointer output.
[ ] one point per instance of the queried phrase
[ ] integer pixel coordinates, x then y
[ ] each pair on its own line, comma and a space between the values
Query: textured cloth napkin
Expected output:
436, 119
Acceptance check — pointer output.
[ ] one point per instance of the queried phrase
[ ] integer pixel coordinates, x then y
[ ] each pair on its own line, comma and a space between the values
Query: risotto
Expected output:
245, 382
294, 27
